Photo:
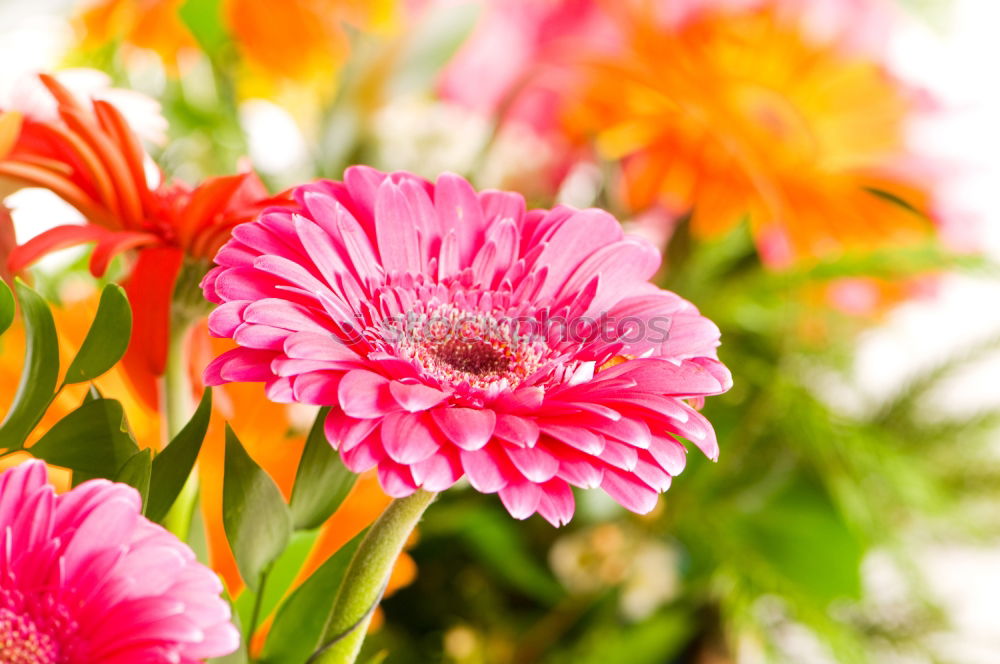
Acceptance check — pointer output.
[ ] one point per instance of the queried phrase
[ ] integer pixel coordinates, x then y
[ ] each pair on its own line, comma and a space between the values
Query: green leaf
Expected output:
279, 578
40, 371
256, 520
173, 465
204, 19
135, 473
379, 657
801, 534
321, 481
107, 338
299, 624
94, 440
6, 306
498, 542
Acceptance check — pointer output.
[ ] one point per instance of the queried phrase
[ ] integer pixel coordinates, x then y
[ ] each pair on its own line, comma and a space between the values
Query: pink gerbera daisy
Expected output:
86, 579
453, 333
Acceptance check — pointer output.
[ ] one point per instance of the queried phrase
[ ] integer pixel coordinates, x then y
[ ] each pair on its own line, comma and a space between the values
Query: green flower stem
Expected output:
178, 406
366, 578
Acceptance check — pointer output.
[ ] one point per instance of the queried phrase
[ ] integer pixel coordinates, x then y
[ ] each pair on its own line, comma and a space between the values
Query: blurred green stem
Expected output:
178, 406
366, 578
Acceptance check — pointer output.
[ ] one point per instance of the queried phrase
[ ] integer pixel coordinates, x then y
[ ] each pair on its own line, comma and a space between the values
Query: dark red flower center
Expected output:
456, 347
472, 356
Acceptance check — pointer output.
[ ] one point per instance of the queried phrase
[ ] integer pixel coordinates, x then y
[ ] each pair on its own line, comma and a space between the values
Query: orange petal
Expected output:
10, 129
115, 243
51, 240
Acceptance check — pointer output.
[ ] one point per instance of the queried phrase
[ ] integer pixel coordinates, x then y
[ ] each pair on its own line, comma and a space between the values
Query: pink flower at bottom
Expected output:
86, 579
455, 334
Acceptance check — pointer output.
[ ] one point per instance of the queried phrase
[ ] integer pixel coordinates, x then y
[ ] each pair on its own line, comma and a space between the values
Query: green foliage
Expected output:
256, 519
6, 306
204, 19
136, 473
499, 544
299, 623
94, 440
173, 465
40, 372
279, 579
321, 481
106, 340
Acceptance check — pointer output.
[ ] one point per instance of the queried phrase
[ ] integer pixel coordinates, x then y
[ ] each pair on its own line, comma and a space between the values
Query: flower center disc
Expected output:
471, 356
475, 348
22, 643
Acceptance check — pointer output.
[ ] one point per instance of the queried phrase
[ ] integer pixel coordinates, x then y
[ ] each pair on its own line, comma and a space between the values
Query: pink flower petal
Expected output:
487, 471
408, 438
438, 472
396, 479
468, 428
416, 397
521, 499
365, 395
517, 430
345, 432
557, 503
535, 463
630, 493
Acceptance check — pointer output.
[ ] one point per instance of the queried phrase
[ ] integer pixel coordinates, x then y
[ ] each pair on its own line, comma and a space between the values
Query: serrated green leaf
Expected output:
107, 338
6, 306
300, 621
256, 520
173, 465
135, 473
40, 370
321, 481
93, 440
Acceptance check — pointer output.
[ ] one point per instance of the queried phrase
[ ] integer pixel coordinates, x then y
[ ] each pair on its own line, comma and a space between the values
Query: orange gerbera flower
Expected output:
305, 41
93, 160
733, 113
154, 25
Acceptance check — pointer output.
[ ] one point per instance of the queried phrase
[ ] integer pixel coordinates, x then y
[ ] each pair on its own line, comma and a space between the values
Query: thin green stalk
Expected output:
366, 578
258, 602
178, 406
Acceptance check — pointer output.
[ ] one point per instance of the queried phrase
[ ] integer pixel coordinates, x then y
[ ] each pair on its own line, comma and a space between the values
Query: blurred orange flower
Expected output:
733, 113
306, 41
303, 41
147, 24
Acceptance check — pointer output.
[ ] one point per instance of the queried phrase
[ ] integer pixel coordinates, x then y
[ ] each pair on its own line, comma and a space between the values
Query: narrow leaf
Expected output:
173, 465
135, 473
107, 338
256, 520
6, 306
279, 578
299, 624
93, 440
321, 481
40, 370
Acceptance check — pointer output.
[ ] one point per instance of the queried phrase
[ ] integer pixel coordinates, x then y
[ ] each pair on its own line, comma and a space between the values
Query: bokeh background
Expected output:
822, 177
